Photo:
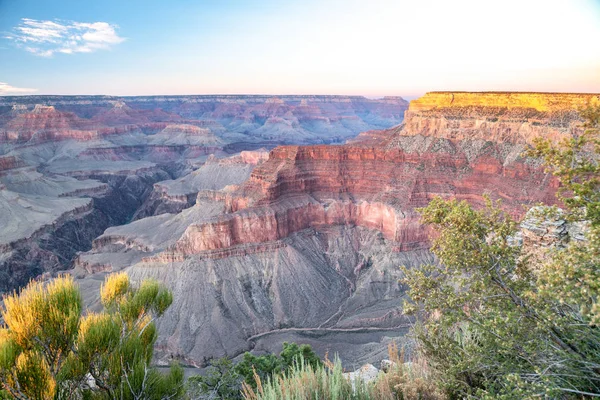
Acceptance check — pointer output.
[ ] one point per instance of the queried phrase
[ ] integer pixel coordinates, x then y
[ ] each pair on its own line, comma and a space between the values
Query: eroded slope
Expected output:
308, 247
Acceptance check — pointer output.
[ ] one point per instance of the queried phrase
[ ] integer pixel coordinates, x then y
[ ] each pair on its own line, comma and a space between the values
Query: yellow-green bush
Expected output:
48, 350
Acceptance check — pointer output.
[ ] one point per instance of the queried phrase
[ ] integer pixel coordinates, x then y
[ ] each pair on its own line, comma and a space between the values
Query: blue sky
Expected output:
368, 47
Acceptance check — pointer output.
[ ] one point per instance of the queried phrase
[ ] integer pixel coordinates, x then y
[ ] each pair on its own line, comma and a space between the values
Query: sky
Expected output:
360, 47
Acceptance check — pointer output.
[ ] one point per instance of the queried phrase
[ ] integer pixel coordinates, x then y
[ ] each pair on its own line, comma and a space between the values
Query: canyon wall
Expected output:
237, 119
543, 102
126, 158
497, 116
307, 248
376, 188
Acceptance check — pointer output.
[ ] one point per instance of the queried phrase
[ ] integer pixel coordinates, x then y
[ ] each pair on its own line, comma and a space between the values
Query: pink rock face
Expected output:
376, 187
45, 123
277, 221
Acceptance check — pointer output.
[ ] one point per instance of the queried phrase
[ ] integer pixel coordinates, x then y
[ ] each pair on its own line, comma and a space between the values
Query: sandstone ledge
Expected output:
544, 102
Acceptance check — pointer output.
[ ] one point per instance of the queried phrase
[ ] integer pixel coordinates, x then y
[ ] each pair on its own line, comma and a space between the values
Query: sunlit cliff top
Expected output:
537, 100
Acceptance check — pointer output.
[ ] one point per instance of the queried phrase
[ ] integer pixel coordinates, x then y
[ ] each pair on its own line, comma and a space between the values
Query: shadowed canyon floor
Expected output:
302, 243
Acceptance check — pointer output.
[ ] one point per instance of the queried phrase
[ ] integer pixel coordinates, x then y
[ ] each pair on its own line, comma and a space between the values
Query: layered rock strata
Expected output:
304, 187
172, 196
307, 248
236, 119
497, 116
59, 152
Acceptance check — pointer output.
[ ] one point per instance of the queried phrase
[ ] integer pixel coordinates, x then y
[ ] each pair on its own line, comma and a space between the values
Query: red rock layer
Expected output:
45, 123
301, 187
10, 162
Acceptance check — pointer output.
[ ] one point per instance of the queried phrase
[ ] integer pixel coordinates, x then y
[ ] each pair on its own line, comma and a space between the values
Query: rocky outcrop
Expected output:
500, 117
172, 196
365, 374
544, 227
376, 188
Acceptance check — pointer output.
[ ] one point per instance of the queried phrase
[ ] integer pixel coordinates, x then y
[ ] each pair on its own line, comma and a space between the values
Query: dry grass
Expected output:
405, 380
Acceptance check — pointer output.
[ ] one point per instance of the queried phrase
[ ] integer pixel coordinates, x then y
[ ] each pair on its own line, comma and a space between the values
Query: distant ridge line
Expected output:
105, 96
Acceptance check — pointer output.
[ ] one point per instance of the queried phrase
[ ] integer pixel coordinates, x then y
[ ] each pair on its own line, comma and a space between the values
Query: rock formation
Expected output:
544, 227
238, 120
73, 166
497, 116
377, 188
172, 196
307, 248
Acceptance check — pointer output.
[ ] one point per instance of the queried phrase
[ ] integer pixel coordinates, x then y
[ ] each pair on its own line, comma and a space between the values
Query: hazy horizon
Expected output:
329, 47
405, 97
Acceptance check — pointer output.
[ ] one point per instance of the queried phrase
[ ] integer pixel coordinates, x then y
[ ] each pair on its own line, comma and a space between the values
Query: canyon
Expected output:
72, 166
265, 226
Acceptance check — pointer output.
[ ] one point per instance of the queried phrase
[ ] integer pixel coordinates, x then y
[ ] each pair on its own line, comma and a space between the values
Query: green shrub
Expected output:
412, 380
48, 350
305, 382
223, 379
220, 382
269, 365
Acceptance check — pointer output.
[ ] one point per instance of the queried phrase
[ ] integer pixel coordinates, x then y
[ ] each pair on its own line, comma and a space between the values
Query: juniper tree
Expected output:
48, 350
498, 323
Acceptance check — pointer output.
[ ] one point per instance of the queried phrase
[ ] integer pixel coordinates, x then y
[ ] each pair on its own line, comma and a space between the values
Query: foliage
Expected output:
575, 162
223, 379
498, 323
263, 366
574, 275
49, 350
304, 382
412, 380
269, 365
292, 353
220, 382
